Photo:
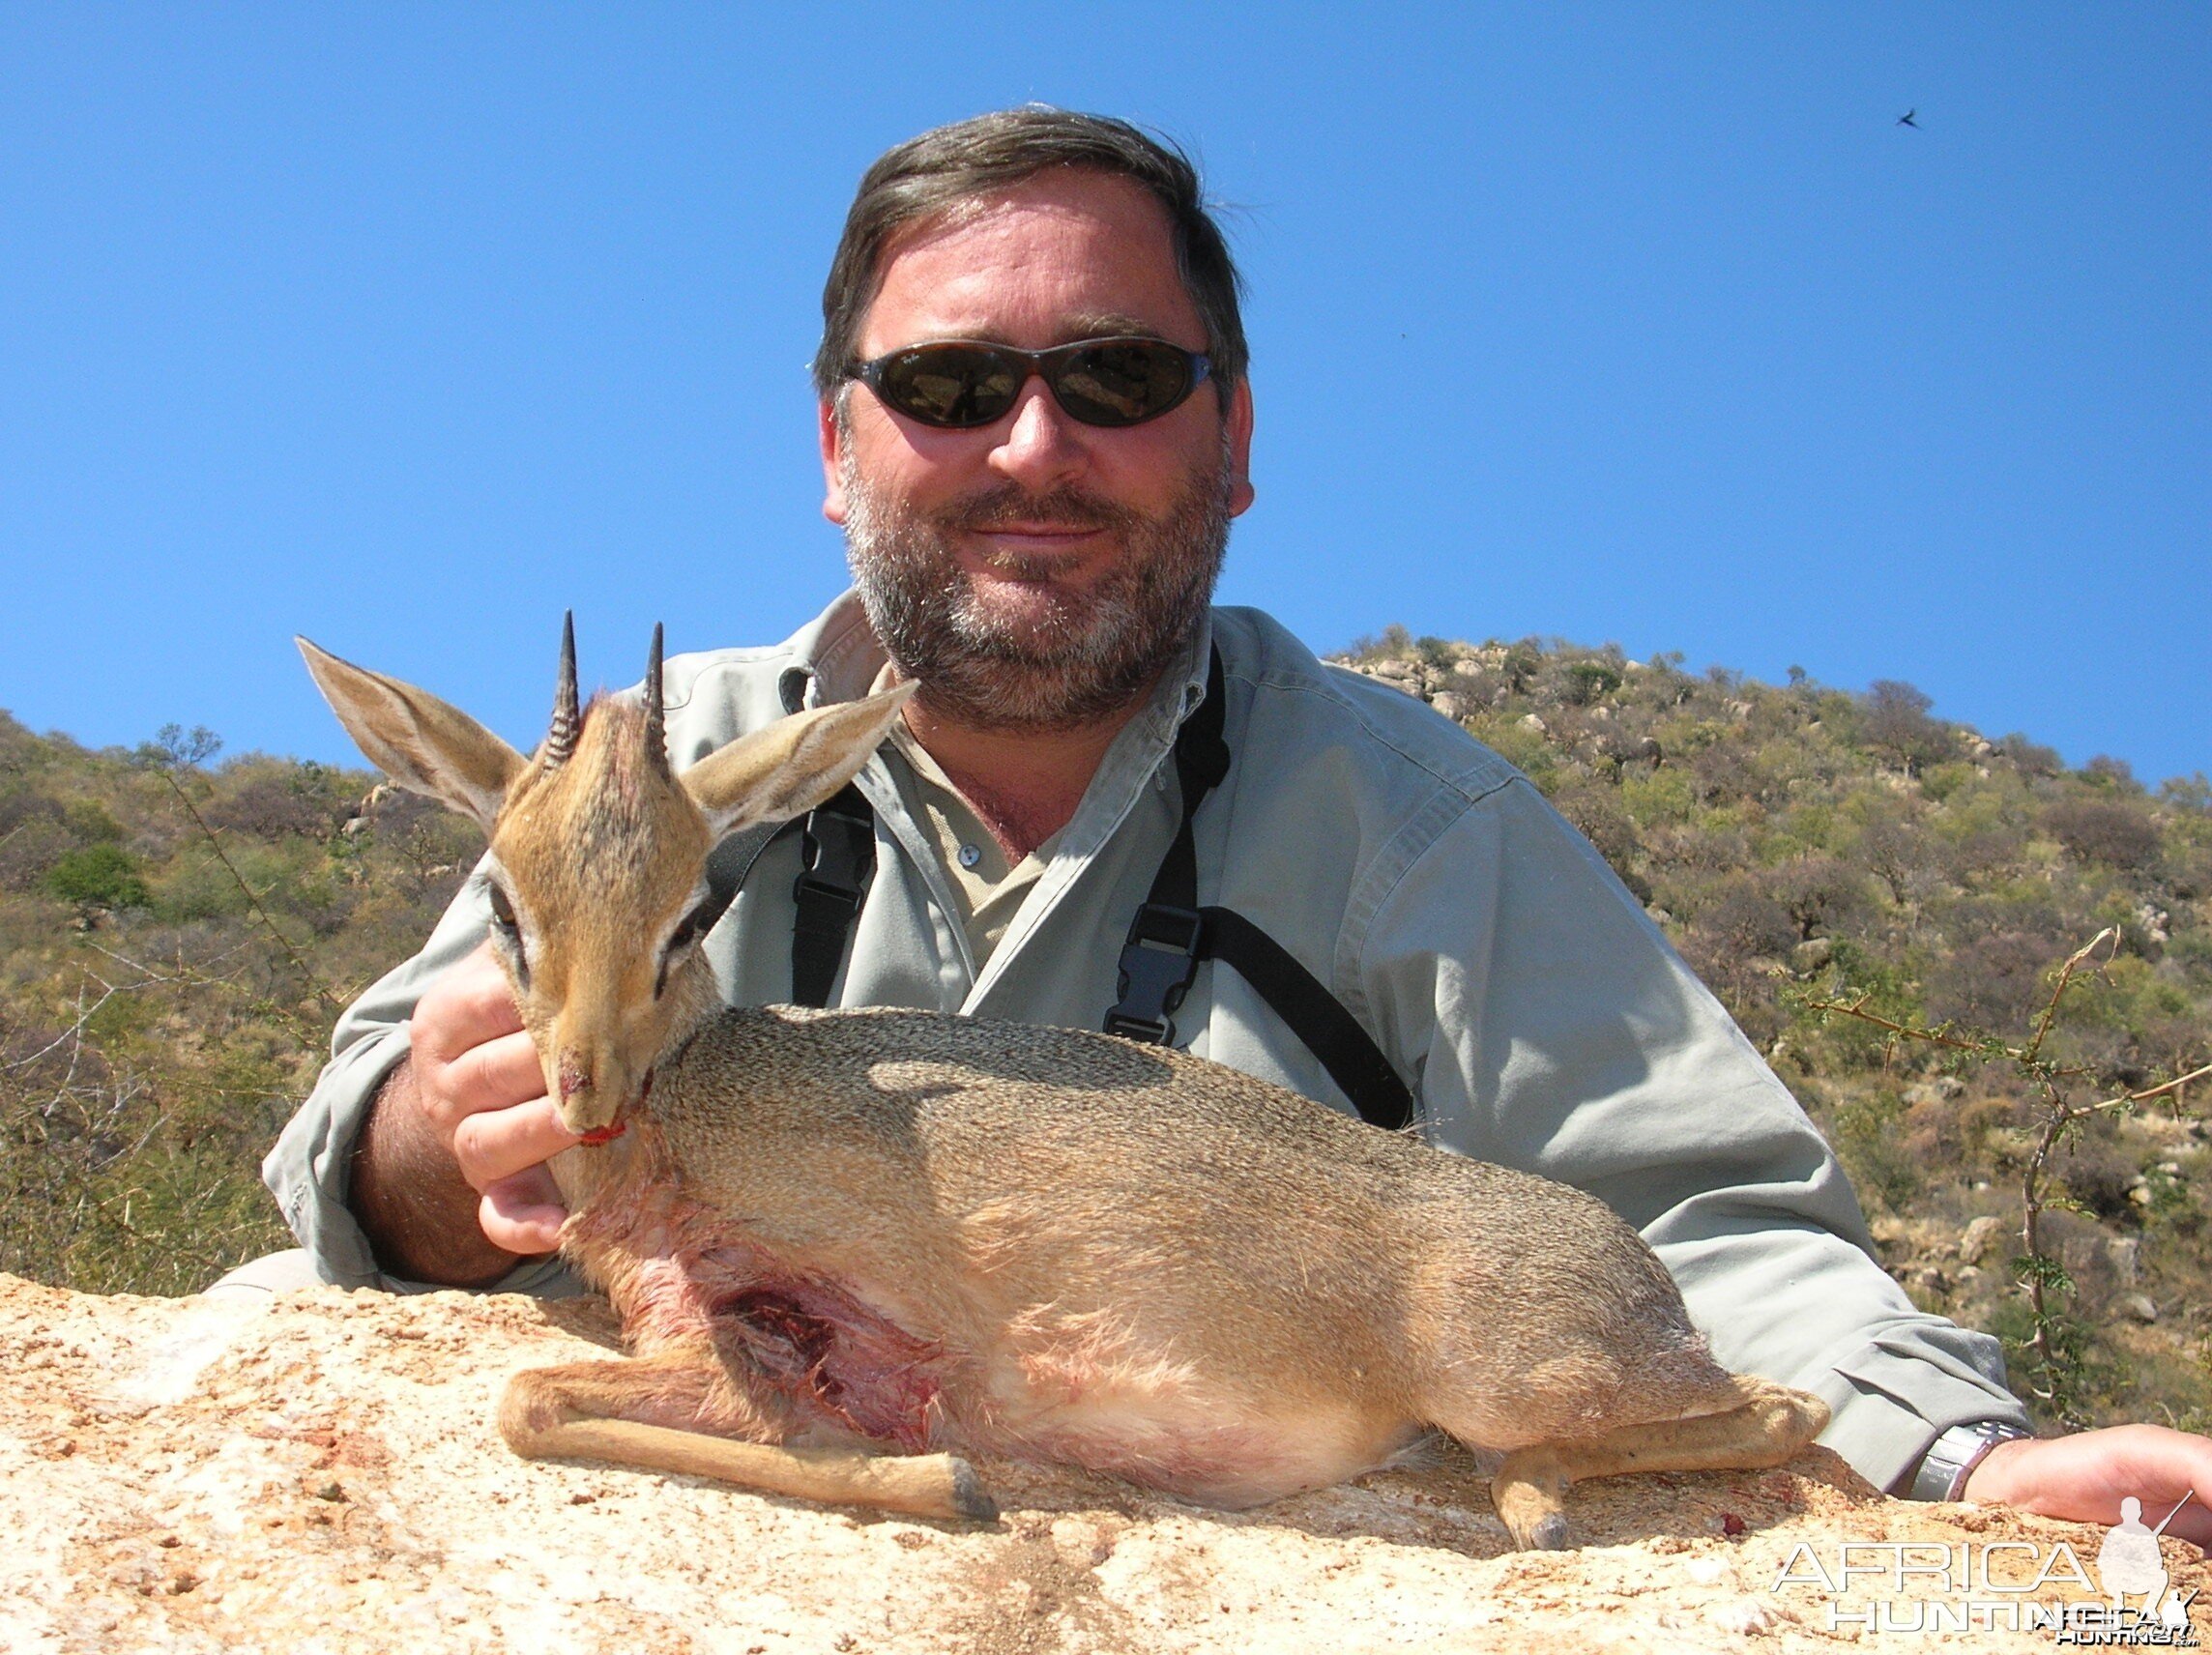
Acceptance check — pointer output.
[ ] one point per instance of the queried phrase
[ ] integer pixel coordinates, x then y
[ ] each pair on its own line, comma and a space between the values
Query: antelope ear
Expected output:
793, 764
417, 741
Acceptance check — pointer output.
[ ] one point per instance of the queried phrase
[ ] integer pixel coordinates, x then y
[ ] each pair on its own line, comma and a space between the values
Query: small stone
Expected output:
2125, 1253
1530, 722
1941, 1089
2138, 1307
1741, 1617
1979, 1236
1812, 955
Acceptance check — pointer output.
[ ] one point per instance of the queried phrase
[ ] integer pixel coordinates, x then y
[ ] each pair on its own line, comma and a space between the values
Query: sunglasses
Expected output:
958, 383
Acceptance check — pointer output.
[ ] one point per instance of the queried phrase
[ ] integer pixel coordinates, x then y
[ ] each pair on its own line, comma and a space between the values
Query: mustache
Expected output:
1066, 507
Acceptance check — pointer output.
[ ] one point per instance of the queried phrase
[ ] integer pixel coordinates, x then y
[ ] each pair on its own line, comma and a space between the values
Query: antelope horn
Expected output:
561, 740
656, 718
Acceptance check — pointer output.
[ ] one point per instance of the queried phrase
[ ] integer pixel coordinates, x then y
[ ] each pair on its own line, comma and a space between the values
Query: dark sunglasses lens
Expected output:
1123, 382
951, 385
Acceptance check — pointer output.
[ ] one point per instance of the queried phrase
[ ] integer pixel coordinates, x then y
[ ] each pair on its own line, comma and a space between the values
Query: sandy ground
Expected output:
321, 1473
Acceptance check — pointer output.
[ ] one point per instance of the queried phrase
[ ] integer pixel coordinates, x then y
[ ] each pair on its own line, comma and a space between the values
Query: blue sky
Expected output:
408, 326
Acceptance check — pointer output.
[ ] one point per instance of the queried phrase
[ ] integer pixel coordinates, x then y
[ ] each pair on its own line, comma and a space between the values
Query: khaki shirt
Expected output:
1540, 1018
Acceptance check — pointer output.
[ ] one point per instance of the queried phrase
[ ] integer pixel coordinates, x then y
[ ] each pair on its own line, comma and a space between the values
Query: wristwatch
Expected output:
1953, 1456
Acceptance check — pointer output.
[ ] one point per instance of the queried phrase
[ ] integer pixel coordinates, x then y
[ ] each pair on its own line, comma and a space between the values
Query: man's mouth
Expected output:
1032, 551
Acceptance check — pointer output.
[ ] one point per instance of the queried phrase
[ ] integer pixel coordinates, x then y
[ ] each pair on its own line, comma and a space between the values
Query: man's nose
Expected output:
1041, 446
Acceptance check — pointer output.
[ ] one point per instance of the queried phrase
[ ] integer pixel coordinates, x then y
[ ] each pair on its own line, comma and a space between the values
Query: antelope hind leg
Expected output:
1766, 1428
593, 1411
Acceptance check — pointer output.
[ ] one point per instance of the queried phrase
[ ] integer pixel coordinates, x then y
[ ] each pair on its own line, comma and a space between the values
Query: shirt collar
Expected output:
836, 657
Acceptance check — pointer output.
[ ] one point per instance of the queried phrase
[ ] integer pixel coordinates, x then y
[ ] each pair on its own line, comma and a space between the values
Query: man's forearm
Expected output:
419, 1212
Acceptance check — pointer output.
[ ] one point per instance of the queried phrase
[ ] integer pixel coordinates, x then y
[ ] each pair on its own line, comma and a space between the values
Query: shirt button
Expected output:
969, 856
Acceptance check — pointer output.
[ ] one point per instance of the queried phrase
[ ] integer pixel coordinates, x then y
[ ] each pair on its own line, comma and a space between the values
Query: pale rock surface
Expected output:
320, 1474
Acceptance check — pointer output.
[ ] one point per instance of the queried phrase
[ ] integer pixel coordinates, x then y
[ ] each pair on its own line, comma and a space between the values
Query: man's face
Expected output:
1036, 572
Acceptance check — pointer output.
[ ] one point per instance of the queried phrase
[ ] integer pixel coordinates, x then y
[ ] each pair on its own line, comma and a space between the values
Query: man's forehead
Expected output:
1074, 254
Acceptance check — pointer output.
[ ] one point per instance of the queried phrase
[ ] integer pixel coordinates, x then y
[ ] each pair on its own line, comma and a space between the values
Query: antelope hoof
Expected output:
1530, 1500
969, 1495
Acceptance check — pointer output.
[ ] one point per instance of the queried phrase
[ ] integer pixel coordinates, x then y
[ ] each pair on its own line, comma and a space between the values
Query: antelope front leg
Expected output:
1770, 1424
613, 1411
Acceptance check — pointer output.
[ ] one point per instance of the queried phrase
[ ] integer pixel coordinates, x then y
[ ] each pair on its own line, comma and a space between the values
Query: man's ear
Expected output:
1239, 418
417, 740
792, 766
832, 460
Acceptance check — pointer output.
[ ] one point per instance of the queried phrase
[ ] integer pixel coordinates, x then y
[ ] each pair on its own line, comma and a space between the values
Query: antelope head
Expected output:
596, 871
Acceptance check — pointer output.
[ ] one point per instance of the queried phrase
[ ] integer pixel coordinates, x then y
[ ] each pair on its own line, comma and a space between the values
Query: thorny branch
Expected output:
252, 898
199, 977
84, 1109
2038, 1271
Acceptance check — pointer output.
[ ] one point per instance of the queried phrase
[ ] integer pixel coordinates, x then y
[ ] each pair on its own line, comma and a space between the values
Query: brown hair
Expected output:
950, 164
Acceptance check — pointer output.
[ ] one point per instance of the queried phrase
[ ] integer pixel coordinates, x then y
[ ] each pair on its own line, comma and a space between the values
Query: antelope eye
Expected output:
506, 932
693, 926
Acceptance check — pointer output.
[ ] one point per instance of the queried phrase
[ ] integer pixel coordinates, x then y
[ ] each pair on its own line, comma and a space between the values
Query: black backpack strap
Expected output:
839, 855
1160, 959
730, 863
1171, 933
1331, 1033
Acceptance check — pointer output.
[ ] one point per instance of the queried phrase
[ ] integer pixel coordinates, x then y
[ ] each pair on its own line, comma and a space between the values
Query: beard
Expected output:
1089, 653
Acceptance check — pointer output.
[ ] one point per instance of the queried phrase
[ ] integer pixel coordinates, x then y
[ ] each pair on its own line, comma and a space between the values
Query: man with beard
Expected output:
1035, 428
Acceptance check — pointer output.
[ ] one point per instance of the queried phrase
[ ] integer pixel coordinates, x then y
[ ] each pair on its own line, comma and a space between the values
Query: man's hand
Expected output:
2084, 1477
450, 1179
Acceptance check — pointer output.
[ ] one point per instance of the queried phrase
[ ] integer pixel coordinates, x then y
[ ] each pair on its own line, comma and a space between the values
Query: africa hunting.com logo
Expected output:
2003, 1586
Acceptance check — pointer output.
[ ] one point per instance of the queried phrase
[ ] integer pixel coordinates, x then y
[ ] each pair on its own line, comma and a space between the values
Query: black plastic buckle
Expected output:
837, 852
1158, 963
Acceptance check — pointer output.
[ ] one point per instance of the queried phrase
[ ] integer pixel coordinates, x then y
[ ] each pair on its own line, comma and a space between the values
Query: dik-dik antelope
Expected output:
830, 1235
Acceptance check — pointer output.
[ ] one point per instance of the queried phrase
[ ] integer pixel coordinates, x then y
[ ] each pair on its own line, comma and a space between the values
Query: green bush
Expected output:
1589, 682
98, 875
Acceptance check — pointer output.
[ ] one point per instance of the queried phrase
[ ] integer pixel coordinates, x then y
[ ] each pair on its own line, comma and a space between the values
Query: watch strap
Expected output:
1952, 1457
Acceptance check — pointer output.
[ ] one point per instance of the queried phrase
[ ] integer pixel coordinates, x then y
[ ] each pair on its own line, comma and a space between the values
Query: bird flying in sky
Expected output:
1906, 119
